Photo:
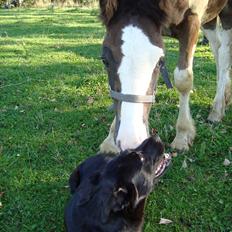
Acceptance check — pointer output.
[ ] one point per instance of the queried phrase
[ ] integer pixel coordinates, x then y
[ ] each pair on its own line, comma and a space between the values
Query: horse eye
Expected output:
105, 62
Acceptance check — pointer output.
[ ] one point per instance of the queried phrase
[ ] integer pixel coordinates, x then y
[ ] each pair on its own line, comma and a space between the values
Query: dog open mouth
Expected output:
163, 165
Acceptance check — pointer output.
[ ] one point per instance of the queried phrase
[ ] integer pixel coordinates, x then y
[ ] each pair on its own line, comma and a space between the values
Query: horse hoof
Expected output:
180, 144
108, 147
182, 140
214, 117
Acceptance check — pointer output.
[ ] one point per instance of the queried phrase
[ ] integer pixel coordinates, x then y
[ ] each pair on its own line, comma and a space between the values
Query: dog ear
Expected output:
108, 8
118, 199
74, 180
86, 191
124, 196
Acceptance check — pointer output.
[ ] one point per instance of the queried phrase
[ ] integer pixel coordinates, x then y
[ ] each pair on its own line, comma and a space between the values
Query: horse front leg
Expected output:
187, 33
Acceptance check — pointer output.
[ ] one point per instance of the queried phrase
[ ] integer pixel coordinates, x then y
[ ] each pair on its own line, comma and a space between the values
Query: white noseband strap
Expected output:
132, 98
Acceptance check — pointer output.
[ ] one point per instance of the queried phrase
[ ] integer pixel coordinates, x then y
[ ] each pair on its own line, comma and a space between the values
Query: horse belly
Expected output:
207, 9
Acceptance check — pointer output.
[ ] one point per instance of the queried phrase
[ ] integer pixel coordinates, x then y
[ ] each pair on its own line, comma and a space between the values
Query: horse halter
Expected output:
131, 97
143, 98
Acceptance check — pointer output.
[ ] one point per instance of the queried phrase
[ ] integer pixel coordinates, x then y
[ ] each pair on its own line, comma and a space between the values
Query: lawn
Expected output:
53, 115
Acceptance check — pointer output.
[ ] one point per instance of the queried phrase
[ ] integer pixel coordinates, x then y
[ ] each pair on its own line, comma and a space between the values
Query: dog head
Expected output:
124, 182
130, 177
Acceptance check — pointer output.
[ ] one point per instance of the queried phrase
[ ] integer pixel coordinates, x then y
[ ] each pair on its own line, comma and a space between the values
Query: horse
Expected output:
132, 52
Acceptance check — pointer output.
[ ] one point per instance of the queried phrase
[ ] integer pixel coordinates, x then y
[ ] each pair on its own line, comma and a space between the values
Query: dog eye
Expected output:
141, 157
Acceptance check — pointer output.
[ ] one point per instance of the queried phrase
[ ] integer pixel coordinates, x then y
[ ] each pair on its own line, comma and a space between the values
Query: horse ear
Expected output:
108, 8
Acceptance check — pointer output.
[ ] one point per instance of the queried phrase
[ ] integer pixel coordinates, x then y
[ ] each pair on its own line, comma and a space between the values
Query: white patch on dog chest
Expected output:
140, 57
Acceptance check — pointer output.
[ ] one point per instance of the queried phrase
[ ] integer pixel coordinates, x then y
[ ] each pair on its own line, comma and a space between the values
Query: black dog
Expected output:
109, 192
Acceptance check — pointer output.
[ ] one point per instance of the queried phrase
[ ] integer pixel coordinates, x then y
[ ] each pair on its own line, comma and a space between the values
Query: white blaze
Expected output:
140, 57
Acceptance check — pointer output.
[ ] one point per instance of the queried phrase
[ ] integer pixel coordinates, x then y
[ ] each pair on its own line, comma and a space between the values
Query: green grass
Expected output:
53, 115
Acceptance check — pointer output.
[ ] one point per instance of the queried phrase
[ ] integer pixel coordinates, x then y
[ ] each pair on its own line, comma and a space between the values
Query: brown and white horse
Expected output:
133, 48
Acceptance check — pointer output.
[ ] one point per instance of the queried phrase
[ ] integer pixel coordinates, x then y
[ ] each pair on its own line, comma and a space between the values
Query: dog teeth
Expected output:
160, 167
163, 164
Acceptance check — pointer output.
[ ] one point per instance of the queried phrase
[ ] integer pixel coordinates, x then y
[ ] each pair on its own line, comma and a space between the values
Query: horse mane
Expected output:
112, 10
